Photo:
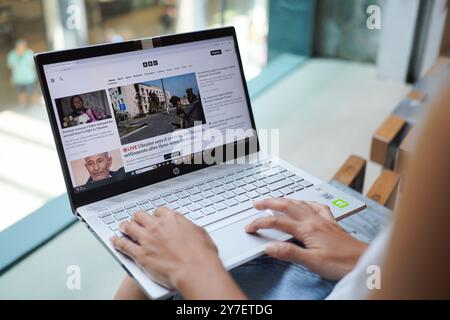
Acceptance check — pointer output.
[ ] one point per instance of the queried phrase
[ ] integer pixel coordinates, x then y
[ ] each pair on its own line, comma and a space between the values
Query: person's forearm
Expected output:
211, 282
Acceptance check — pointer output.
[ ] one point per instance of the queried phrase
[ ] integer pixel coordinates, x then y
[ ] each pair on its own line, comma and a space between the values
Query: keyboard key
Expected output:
158, 202
114, 226
225, 180
219, 206
121, 215
239, 183
242, 198
107, 213
249, 180
238, 176
229, 187
255, 170
218, 190
133, 210
184, 202
153, 198
271, 172
207, 194
183, 210
280, 184
250, 187
276, 194
286, 190
194, 207
263, 190
306, 183
228, 195
297, 178
108, 219
117, 210
195, 198
182, 194
130, 206
247, 172
297, 187
171, 198
259, 183
239, 191
206, 203
195, 215
142, 202
288, 174
261, 197
205, 186
275, 178
194, 190
215, 183
259, 176
172, 205
230, 202
147, 207
217, 198
207, 211
252, 194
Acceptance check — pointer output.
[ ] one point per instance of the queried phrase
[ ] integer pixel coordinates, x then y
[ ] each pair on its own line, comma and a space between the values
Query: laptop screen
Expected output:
127, 114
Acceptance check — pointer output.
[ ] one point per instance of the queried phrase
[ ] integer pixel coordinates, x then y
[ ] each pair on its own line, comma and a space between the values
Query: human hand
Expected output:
176, 253
327, 248
166, 245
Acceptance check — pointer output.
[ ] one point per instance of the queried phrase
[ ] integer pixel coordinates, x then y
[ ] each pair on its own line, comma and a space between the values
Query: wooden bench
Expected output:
385, 189
387, 142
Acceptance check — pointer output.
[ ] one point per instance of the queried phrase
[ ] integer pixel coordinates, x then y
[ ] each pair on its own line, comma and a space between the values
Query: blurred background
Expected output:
43, 25
319, 71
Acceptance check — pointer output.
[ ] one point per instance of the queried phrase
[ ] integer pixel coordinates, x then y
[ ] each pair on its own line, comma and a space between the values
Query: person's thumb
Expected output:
287, 251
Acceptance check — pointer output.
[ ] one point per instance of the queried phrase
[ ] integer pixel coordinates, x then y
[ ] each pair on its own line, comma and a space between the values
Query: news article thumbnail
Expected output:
83, 108
97, 169
149, 109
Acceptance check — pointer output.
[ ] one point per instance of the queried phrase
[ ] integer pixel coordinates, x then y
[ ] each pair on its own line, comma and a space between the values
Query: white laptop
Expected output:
167, 122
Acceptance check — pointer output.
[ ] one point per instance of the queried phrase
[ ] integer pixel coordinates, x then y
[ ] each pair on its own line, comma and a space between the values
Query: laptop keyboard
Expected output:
217, 198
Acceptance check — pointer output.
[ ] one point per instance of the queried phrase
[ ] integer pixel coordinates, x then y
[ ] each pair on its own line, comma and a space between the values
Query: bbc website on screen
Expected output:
126, 114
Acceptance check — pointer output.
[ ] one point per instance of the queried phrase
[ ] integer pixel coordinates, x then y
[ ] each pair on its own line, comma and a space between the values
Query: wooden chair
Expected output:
385, 189
394, 139
391, 147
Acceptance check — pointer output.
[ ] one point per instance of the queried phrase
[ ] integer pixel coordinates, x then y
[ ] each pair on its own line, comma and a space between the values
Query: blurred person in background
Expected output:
167, 17
23, 74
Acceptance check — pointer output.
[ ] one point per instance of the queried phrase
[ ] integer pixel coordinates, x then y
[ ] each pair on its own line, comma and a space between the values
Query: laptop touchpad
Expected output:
233, 242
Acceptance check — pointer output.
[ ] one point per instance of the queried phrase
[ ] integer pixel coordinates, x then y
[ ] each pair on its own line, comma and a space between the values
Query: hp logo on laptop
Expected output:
176, 171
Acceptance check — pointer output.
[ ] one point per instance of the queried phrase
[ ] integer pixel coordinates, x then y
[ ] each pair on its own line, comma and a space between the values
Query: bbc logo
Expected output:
150, 63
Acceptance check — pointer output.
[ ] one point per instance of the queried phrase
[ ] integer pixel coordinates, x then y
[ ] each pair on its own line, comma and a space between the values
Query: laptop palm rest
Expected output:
235, 244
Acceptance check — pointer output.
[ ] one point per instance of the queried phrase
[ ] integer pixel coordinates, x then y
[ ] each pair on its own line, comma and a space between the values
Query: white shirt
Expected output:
354, 286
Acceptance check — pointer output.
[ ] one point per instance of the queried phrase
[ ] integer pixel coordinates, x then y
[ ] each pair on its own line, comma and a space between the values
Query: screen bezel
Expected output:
162, 173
